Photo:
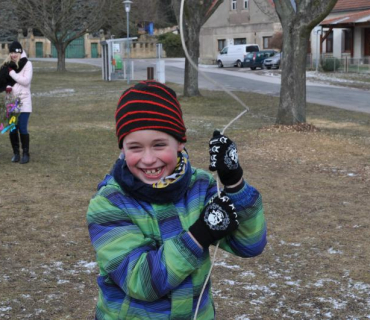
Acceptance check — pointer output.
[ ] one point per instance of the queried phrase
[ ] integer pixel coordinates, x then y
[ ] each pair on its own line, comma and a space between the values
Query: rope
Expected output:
227, 126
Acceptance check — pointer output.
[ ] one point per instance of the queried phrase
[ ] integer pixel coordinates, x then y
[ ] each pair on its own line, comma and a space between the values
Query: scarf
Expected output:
5, 78
169, 189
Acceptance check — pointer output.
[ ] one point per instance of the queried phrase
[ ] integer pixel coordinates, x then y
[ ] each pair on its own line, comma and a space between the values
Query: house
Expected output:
346, 30
237, 22
344, 33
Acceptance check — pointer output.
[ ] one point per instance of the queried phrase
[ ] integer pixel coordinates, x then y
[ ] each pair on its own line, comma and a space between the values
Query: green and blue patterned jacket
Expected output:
150, 268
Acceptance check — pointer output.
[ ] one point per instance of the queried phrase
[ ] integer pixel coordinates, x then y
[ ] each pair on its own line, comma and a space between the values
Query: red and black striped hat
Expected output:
149, 105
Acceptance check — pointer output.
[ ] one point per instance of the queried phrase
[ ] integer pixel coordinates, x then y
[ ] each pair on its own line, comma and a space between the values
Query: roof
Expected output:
362, 17
351, 5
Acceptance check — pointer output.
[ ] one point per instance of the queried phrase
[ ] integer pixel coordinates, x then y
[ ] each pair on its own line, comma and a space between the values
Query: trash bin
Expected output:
150, 73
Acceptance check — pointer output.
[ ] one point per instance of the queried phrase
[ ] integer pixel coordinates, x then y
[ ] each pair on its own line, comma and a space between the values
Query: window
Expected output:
266, 42
347, 40
233, 4
240, 41
221, 44
329, 43
246, 5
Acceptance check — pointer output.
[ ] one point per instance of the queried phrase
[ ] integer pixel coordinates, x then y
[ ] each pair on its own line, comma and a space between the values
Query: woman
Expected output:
20, 75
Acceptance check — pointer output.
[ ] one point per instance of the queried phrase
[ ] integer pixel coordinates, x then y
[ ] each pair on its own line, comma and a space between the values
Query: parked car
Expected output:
255, 59
273, 62
234, 55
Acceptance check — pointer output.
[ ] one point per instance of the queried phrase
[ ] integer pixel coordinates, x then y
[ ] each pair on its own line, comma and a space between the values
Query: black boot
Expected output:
25, 139
14, 140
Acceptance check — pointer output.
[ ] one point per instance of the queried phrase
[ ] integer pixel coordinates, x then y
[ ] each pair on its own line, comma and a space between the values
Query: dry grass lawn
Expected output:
315, 185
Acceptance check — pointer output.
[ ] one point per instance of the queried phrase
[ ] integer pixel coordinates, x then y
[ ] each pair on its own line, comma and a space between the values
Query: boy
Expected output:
154, 216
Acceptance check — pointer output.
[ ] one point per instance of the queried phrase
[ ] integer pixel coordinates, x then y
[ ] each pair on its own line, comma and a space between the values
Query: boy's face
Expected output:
151, 155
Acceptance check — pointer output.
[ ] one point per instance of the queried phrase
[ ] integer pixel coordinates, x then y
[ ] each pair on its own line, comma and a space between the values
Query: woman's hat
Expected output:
149, 105
15, 47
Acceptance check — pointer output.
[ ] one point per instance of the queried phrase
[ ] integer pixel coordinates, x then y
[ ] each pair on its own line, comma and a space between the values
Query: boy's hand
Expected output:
224, 159
217, 220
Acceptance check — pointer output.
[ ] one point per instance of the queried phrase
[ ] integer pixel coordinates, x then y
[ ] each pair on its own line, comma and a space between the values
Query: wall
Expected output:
228, 24
145, 47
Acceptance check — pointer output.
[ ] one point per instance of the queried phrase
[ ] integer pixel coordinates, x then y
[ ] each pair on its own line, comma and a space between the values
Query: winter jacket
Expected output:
150, 268
22, 87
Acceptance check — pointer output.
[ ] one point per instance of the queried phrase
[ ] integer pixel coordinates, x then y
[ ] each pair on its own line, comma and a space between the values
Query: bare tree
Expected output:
297, 18
62, 21
196, 13
8, 21
276, 41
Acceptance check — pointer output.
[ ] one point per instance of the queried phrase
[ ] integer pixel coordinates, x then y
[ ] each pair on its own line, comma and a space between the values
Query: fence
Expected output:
345, 64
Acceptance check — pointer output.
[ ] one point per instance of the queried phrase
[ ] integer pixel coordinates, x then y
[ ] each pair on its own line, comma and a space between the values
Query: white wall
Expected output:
358, 41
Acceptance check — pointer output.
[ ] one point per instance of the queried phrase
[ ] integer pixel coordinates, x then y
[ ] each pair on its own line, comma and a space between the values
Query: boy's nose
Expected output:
148, 157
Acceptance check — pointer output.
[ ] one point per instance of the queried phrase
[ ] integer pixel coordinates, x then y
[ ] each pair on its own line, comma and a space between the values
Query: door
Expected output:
76, 49
367, 42
94, 50
39, 50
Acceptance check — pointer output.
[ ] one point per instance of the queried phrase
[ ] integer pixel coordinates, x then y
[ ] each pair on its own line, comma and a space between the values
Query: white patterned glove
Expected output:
224, 158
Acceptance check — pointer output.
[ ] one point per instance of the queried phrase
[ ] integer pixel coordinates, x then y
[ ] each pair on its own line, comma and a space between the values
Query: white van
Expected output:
234, 55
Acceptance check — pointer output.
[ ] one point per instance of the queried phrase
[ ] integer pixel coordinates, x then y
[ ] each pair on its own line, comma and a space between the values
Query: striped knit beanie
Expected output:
149, 105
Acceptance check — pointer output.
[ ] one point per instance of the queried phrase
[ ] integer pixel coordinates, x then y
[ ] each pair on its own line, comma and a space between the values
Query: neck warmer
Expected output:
169, 189
5, 78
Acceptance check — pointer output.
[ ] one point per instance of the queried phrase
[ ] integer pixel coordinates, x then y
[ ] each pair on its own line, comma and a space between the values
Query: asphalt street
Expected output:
242, 80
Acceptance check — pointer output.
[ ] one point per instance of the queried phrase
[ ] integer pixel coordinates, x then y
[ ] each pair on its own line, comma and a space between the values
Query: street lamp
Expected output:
127, 4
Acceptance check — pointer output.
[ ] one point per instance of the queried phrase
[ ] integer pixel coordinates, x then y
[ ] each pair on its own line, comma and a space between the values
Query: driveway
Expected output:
244, 80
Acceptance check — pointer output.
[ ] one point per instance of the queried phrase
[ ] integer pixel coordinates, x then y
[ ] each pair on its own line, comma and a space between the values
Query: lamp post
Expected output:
127, 4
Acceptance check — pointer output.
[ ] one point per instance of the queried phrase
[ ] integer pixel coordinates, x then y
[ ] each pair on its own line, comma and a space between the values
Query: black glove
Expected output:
217, 220
224, 159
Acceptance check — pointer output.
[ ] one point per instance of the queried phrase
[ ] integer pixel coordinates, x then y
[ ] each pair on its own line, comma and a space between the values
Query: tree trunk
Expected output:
191, 74
61, 65
196, 14
292, 107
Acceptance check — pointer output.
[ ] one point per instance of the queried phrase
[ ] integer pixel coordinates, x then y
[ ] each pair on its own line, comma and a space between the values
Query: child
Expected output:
154, 216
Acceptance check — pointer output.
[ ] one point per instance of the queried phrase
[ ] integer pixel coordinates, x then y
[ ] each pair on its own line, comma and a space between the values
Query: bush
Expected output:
331, 64
172, 45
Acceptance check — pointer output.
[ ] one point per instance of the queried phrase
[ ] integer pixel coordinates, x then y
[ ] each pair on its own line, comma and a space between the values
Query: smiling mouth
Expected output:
153, 172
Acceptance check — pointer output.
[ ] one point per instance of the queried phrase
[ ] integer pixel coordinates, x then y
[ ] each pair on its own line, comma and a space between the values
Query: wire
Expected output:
227, 126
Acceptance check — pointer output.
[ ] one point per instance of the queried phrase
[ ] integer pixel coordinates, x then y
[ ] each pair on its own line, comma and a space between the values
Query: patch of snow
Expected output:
293, 283
282, 242
333, 251
55, 93
336, 304
229, 282
62, 281
3, 309
248, 274
223, 264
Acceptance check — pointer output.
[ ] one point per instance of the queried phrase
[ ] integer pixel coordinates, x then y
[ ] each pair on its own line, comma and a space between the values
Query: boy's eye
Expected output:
133, 147
160, 145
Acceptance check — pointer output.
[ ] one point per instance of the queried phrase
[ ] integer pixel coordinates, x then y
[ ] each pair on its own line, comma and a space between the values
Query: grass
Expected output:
315, 187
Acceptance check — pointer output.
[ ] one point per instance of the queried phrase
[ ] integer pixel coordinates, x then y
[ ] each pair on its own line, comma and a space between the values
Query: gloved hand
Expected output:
217, 220
224, 159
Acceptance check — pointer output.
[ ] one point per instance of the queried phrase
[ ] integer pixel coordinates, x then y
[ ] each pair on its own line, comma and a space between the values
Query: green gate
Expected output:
39, 50
94, 50
76, 49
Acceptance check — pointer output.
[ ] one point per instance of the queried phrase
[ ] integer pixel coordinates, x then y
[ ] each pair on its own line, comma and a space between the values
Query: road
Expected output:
241, 80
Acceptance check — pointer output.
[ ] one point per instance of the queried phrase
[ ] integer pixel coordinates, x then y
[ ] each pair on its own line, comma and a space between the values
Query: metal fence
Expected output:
345, 64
